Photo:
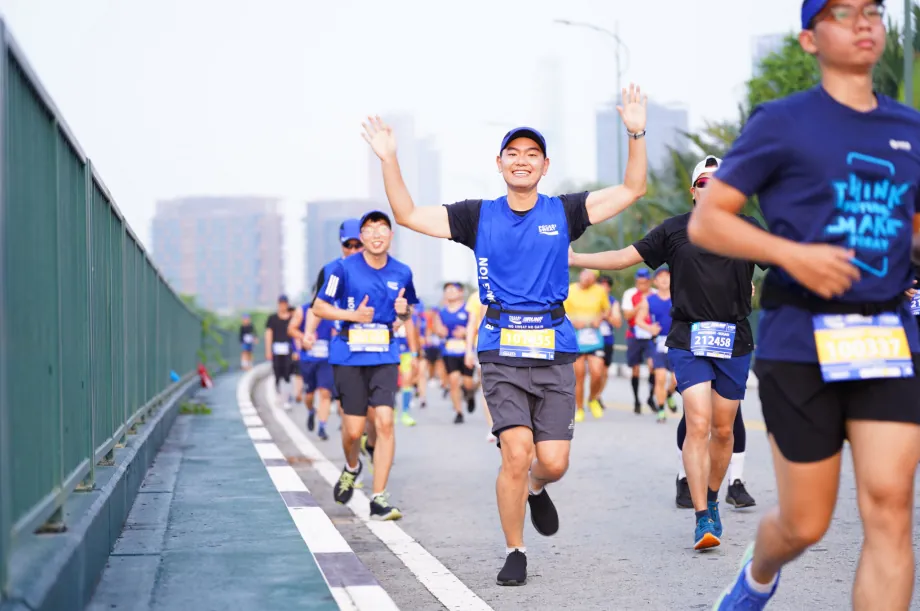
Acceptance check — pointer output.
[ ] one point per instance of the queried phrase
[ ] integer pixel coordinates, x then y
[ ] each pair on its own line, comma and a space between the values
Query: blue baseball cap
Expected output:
283, 299
663, 268
350, 229
375, 215
810, 8
524, 132
643, 272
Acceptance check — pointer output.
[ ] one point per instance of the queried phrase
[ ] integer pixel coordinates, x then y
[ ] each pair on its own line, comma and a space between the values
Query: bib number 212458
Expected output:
712, 339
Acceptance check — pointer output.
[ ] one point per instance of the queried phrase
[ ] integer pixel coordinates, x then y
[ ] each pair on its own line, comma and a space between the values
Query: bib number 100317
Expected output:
854, 347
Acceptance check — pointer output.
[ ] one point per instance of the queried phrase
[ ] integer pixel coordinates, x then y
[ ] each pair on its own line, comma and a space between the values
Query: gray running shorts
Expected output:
540, 398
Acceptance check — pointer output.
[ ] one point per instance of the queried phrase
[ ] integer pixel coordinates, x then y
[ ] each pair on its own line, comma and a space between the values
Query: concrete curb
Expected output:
60, 571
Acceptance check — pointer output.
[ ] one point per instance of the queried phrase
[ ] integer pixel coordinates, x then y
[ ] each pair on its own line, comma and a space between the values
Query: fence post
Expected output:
6, 504
90, 420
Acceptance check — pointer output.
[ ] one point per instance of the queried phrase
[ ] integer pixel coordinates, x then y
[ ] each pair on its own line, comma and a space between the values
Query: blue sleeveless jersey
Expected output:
454, 346
523, 270
660, 312
320, 350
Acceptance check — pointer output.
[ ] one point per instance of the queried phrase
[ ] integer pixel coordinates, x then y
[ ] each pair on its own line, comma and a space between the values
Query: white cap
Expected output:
710, 164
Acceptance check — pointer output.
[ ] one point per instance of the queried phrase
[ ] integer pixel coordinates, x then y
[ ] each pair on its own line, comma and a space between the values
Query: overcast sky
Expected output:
184, 97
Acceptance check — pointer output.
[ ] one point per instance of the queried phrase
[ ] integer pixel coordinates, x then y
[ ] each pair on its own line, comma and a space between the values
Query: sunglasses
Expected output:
701, 183
351, 245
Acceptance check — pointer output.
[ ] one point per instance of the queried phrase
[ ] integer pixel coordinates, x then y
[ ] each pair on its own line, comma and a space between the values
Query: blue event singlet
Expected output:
454, 346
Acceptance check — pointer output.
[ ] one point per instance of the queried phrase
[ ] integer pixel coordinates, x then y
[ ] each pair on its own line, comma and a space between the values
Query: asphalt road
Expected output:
622, 543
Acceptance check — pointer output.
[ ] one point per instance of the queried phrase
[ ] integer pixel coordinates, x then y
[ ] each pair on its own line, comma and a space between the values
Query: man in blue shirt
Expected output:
371, 290
836, 170
527, 346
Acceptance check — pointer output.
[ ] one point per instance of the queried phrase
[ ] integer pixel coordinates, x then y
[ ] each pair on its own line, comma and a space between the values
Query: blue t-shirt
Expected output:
347, 282
825, 173
452, 319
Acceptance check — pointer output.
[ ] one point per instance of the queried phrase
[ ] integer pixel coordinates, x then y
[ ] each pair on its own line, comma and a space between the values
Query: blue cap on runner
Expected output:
282, 299
810, 9
350, 229
643, 272
524, 132
663, 268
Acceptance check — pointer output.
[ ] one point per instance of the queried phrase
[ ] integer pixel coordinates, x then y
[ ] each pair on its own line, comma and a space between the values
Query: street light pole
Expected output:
619, 44
908, 47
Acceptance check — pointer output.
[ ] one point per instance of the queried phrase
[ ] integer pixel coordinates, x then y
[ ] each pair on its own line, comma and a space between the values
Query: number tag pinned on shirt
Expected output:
660, 342
855, 347
712, 339
368, 337
528, 343
320, 349
915, 305
589, 340
281, 348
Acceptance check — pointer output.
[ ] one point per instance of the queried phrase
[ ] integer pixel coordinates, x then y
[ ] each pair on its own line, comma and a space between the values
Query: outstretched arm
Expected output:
430, 220
611, 259
607, 203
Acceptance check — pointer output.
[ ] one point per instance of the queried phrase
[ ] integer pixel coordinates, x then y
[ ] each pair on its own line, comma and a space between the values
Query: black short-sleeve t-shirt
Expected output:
704, 286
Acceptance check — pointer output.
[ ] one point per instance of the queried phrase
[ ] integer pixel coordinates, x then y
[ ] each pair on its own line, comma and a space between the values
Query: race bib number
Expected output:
368, 337
854, 347
320, 349
247, 338
455, 347
606, 329
641, 333
660, 342
712, 339
281, 348
915, 305
528, 343
589, 340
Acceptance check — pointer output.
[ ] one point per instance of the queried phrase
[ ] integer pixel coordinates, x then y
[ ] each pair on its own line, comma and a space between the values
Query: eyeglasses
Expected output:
376, 231
351, 245
847, 15
701, 183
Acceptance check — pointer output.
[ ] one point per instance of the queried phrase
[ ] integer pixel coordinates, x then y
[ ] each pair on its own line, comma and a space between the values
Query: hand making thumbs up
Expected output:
364, 313
401, 304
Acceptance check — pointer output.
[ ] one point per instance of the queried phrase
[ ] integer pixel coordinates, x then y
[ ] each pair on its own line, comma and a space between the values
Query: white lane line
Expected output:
252, 421
259, 433
318, 532
314, 526
286, 479
444, 585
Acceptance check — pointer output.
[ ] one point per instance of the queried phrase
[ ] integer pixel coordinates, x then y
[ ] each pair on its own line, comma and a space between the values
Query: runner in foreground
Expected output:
836, 172
527, 346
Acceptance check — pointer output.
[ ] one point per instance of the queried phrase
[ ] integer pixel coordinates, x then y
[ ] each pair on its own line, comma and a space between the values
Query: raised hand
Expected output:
380, 136
633, 109
364, 313
401, 304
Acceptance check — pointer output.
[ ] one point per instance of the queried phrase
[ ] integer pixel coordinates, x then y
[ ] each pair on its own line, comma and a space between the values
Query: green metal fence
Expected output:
89, 328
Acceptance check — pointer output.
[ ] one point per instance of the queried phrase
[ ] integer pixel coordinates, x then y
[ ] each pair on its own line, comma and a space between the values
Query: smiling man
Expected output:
527, 345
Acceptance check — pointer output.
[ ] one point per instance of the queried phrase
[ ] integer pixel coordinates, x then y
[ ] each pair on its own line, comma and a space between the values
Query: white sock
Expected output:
736, 468
522, 549
681, 472
762, 588
352, 469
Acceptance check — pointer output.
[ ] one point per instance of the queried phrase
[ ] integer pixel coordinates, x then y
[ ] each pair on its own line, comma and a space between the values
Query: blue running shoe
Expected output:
739, 596
705, 536
716, 520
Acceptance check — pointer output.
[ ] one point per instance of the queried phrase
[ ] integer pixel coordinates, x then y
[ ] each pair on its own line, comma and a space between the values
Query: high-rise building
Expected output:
762, 46
321, 231
226, 251
671, 123
420, 162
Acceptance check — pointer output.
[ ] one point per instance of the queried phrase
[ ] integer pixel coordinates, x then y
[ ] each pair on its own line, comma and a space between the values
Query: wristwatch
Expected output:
635, 136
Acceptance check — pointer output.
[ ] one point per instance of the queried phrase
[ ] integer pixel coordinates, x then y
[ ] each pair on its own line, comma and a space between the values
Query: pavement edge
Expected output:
73, 561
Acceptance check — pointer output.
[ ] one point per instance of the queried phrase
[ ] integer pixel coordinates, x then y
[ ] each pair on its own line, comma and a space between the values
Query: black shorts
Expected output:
281, 367
432, 354
608, 354
807, 416
457, 363
363, 386
295, 368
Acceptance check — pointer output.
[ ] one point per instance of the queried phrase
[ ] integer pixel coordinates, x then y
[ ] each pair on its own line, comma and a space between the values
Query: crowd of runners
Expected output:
836, 171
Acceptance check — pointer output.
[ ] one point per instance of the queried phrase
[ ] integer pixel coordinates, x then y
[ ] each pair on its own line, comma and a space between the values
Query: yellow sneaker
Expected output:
596, 409
407, 419
579, 415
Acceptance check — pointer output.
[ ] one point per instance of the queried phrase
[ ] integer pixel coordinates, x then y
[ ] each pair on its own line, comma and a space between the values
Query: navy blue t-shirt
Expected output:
825, 173
346, 282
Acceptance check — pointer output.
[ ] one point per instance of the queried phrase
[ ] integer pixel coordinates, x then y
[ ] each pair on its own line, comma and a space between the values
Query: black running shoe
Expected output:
345, 487
543, 513
683, 494
458, 419
637, 408
311, 420
738, 496
471, 404
382, 510
514, 573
